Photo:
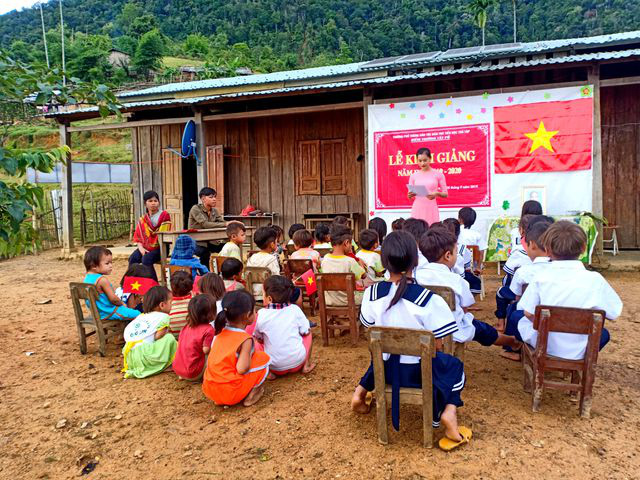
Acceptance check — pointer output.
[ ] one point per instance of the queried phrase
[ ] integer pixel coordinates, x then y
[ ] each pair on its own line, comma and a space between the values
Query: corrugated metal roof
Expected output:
261, 78
432, 58
587, 57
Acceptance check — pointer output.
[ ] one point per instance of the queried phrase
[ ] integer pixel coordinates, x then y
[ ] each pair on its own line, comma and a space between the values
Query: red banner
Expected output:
461, 153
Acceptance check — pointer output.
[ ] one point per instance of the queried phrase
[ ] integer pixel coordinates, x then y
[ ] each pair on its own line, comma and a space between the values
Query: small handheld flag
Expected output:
138, 285
309, 280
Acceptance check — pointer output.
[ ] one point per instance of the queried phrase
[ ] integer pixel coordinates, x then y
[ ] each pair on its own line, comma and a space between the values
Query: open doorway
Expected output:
189, 187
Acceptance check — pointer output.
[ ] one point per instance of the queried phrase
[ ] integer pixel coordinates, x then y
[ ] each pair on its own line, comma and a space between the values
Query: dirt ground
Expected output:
162, 427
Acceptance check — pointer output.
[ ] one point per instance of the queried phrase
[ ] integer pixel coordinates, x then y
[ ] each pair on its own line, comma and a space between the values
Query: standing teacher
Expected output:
426, 208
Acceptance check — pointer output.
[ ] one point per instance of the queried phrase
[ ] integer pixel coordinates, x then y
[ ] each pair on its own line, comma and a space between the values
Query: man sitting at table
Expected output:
204, 215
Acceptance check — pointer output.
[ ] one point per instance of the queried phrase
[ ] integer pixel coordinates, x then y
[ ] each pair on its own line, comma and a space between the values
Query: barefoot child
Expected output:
401, 303
439, 246
236, 233
150, 349
195, 339
283, 329
235, 371
98, 262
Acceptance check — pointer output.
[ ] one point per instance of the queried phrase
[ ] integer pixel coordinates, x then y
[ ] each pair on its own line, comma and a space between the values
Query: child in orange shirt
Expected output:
235, 371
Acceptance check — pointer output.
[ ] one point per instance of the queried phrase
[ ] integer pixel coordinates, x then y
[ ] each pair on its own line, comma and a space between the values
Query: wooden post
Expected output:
593, 78
367, 100
66, 182
200, 150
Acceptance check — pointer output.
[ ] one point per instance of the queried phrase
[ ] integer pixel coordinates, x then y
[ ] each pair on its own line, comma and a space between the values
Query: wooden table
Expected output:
267, 217
204, 235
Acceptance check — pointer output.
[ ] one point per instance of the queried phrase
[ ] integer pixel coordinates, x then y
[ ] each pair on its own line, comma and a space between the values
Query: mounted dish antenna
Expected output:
188, 144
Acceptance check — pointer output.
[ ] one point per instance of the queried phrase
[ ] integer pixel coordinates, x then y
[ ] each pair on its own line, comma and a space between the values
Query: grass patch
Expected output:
176, 62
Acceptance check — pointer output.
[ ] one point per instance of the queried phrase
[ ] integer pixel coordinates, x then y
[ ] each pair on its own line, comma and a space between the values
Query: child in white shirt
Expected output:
368, 241
525, 275
283, 329
417, 227
321, 236
467, 218
566, 283
303, 242
530, 207
265, 240
464, 264
439, 246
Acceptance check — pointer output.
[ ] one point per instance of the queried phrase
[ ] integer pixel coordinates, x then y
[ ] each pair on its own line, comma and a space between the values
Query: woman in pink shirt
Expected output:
426, 208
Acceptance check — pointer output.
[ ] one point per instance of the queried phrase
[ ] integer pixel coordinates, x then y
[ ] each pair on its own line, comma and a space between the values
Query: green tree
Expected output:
88, 57
480, 12
149, 53
143, 24
126, 44
130, 11
18, 197
196, 45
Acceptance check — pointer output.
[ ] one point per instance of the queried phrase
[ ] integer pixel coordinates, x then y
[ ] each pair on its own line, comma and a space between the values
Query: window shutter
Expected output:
309, 167
333, 171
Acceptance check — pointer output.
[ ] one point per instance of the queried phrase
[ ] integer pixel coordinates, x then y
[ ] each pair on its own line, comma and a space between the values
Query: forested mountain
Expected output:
269, 35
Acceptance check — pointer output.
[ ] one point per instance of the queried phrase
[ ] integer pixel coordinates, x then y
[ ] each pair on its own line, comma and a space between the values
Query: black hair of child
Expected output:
436, 242
423, 151
368, 238
212, 284
452, 224
201, 310
531, 207
380, 226
230, 268
303, 238
181, 283
234, 305
263, 236
535, 232
93, 256
279, 288
321, 232
416, 227
137, 270
294, 228
540, 218
206, 192
397, 224
154, 297
340, 234
524, 222
468, 216
399, 255
233, 228
340, 220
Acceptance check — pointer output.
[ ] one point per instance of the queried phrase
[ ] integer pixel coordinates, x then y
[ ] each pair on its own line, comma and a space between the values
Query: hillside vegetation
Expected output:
270, 35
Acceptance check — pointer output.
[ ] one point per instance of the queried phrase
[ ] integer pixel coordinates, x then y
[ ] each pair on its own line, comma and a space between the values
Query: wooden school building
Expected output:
295, 142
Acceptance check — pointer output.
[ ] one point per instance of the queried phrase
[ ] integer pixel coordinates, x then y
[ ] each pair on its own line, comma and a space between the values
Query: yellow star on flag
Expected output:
135, 285
541, 138
310, 281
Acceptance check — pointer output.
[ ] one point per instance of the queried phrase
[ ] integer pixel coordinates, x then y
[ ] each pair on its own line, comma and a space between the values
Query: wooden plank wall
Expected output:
147, 143
620, 107
260, 162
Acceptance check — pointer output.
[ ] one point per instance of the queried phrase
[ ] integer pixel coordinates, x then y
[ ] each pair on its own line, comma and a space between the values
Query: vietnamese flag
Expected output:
138, 285
309, 280
544, 136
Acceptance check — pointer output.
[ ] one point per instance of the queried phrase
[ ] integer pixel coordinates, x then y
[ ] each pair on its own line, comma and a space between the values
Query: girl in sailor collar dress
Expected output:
402, 303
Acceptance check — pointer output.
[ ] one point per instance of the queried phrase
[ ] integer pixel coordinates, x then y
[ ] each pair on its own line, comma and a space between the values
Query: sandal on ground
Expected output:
447, 444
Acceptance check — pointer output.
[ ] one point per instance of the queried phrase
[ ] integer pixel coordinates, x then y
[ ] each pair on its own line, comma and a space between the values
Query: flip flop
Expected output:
447, 444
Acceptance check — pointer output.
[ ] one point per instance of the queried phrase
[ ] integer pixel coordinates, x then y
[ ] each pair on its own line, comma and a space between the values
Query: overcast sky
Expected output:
8, 5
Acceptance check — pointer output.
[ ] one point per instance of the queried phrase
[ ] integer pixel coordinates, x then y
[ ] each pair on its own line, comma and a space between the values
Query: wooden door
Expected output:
172, 187
620, 113
215, 173
309, 167
332, 166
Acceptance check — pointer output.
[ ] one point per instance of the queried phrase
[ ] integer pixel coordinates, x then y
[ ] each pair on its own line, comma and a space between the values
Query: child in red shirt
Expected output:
194, 342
